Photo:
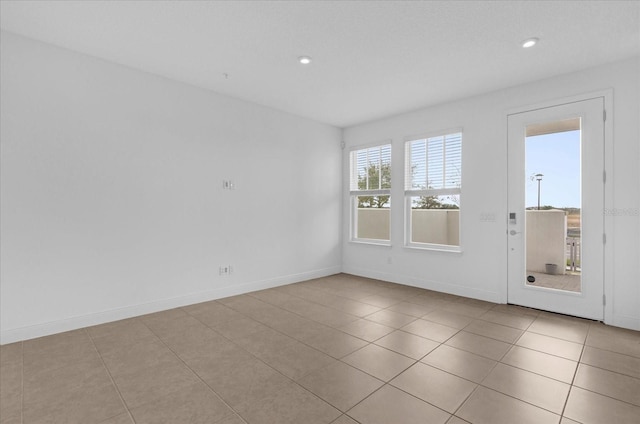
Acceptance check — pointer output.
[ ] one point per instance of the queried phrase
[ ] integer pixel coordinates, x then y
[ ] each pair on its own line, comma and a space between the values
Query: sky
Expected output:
557, 157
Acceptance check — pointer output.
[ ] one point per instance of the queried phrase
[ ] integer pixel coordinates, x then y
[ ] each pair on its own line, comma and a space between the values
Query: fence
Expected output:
438, 226
574, 254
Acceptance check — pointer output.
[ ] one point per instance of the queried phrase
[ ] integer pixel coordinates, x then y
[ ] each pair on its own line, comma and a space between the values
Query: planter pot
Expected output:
551, 269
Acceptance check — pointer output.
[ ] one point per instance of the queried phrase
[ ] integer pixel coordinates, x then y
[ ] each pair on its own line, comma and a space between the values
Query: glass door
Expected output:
556, 195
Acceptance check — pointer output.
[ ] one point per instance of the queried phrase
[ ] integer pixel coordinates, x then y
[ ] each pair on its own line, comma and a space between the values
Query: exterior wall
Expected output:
373, 223
546, 240
437, 226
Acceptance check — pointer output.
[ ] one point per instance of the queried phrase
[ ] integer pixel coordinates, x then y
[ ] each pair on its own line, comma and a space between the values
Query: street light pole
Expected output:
538, 178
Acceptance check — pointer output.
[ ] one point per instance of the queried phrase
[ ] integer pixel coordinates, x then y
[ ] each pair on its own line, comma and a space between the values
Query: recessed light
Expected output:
530, 42
305, 60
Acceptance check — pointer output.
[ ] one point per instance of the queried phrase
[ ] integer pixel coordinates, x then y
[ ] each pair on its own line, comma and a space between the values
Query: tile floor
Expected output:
340, 350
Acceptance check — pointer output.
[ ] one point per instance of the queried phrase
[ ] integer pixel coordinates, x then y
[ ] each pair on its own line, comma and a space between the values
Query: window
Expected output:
433, 182
370, 191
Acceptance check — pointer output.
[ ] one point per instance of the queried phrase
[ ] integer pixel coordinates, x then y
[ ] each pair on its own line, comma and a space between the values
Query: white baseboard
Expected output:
625, 321
54, 327
74, 323
425, 283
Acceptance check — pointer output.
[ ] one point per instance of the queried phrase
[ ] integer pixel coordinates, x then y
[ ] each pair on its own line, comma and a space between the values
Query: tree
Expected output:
375, 177
432, 202
542, 208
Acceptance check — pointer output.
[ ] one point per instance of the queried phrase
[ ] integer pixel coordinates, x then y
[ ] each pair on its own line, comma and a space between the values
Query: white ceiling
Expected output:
371, 59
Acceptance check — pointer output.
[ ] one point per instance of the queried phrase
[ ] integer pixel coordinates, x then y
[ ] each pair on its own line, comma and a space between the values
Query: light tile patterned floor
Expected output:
340, 350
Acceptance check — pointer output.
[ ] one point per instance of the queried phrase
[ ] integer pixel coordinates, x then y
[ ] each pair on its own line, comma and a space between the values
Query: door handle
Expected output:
514, 232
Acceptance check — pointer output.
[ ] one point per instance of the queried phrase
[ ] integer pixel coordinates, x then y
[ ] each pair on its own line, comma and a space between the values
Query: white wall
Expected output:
112, 203
112, 199
480, 271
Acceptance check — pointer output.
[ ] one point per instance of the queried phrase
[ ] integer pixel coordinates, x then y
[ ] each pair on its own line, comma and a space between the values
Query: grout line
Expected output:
418, 361
614, 352
278, 371
550, 354
584, 346
302, 316
368, 343
526, 401
115, 386
607, 350
534, 318
554, 337
365, 398
348, 417
294, 381
521, 400
465, 400
571, 386
478, 385
407, 393
22, 382
608, 370
191, 370
607, 396
534, 372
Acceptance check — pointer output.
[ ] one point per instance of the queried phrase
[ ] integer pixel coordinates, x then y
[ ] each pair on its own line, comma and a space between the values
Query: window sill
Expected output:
372, 242
435, 248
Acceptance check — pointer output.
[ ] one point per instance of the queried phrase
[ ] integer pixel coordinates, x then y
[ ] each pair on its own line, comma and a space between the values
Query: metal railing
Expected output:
574, 255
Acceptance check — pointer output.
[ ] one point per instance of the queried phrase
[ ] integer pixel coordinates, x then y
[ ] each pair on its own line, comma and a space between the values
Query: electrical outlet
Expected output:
225, 270
228, 185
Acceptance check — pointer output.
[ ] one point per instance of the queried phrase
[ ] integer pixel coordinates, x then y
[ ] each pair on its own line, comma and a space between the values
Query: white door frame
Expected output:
607, 95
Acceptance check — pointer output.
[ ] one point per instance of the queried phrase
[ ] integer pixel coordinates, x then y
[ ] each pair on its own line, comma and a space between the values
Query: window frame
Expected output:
355, 193
409, 193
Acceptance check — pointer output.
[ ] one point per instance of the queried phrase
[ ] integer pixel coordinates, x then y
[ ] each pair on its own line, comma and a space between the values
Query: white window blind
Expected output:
370, 193
371, 169
434, 163
433, 187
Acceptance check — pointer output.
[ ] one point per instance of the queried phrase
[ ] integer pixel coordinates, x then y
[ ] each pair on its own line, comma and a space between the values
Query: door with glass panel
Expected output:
555, 218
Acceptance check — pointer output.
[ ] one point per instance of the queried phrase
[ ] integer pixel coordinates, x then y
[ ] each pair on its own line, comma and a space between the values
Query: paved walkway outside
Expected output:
568, 282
